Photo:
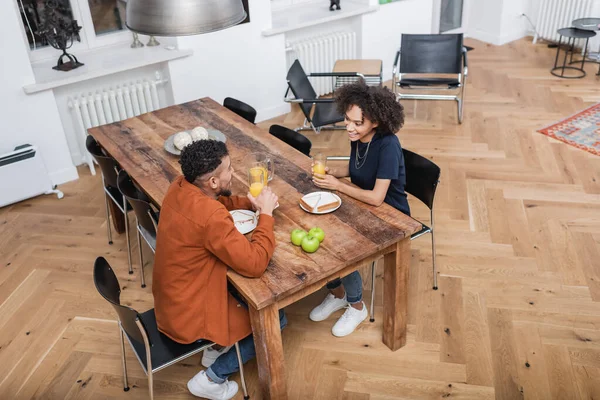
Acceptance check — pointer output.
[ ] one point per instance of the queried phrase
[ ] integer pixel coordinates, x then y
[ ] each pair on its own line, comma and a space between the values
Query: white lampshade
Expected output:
182, 17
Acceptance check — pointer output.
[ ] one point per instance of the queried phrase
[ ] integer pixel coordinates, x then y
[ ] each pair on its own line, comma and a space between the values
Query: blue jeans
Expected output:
227, 363
352, 284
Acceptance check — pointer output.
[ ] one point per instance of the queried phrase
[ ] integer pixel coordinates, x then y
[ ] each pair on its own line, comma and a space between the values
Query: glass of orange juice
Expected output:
319, 164
256, 180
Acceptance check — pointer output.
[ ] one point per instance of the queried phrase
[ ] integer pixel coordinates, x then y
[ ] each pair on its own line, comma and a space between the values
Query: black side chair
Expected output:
146, 217
153, 350
240, 108
422, 178
325, 115
441, 55
110, 169
293, 138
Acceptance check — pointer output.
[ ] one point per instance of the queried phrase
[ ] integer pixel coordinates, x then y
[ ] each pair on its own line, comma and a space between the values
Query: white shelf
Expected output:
100, 62
314, 13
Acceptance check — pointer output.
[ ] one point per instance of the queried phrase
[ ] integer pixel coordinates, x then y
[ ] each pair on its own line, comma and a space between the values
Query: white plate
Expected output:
245, 220
320, 212
212, 134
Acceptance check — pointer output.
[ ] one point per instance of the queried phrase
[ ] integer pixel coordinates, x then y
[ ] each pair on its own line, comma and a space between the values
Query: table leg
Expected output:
395, 295
269, 352
117, 216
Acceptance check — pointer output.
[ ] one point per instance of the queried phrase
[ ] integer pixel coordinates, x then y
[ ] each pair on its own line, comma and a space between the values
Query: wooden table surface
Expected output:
355, 234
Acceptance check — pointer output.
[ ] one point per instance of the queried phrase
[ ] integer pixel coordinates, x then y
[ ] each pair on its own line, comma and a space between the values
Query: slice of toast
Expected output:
320, 202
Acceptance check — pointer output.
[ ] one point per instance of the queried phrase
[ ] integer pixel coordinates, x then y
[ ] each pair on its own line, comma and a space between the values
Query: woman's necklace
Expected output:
359, 160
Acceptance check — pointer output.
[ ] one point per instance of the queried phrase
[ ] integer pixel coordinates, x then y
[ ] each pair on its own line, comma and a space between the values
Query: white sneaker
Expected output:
349, 321
210, 355
330, 305
200, 386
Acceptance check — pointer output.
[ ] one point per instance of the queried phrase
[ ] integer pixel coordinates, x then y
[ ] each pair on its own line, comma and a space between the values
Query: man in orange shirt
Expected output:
197, 242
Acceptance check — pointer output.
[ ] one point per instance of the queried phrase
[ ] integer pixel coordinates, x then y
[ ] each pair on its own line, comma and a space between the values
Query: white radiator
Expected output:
23, 175
556, 14
319, 54
111, 105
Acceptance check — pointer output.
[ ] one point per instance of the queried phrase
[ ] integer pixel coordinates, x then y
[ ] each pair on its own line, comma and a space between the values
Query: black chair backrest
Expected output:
422, 177
107, 164
293, 138
301, 87
107, 285
138, 200
431, 54
240, 108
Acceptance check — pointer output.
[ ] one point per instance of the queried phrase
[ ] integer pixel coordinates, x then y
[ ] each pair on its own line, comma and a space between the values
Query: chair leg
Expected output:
435, 280
125, 383
108, 231
372, 319
460, 110
127, 234
150, 384
239, 358
143, 276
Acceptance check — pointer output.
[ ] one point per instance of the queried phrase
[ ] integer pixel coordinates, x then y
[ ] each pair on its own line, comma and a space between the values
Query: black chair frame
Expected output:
313, 105
292, 138
108, 165
145, 216
242, 109
455, 84
139, 329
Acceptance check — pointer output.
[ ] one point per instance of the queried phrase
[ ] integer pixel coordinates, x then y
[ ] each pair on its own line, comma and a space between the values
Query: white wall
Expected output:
28, 118
498, 21
237, 62
381, 30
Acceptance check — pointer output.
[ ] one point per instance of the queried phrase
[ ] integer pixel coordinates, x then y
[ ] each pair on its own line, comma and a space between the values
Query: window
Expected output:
102, 22
108, 15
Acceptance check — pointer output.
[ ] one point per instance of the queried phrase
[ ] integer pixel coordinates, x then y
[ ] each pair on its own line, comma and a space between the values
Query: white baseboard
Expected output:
497, 40
64, 175
272, 112
512, 37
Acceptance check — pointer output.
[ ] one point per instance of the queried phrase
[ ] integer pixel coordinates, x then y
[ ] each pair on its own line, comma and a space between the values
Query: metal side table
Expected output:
590, 24
571, 34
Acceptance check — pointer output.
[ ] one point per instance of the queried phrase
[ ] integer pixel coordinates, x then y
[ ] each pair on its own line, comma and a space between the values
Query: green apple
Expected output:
310, 244
297, 236
318, 233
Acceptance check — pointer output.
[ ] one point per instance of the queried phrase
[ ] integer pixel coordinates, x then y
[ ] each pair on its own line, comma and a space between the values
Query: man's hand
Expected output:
265, 202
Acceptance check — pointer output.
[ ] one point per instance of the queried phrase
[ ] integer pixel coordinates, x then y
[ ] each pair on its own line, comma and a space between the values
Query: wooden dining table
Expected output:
356, 233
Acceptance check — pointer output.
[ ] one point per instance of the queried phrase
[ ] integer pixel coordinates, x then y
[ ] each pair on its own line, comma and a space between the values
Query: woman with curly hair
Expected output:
376, 167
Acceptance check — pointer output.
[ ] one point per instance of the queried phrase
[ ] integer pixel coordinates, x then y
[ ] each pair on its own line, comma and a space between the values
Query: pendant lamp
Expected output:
182, 17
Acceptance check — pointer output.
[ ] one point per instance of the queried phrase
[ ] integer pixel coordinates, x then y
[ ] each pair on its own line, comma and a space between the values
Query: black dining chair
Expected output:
154, 350
422, 178
240, 108
146, 217
293, 138
110, 169
442, 57
325, 115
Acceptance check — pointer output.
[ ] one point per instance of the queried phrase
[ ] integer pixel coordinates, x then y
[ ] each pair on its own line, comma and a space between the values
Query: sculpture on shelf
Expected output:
60, 32
335, 3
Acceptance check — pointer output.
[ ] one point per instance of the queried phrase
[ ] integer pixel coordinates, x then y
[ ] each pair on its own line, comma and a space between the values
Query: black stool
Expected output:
571, 34
589, 24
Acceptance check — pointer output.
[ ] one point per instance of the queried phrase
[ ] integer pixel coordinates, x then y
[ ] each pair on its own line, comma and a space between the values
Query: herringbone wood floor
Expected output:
518, 245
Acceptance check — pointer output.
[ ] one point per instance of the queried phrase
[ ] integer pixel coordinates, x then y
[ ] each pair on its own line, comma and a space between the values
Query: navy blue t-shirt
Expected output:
383, 161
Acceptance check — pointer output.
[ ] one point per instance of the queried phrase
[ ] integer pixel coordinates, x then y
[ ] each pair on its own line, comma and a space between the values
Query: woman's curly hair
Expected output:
378, 104
201, 157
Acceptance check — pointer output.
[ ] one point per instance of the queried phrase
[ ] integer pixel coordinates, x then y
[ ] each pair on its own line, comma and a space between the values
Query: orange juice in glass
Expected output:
256, 180
259, 168
319, 164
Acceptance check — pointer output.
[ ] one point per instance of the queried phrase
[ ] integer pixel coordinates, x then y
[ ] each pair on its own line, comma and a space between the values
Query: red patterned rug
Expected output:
581, 130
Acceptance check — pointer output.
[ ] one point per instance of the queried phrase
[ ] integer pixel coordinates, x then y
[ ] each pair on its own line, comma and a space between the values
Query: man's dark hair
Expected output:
201, 157
378, 104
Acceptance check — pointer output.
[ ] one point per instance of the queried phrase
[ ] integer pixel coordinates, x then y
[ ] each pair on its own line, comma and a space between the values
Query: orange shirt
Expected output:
196, 242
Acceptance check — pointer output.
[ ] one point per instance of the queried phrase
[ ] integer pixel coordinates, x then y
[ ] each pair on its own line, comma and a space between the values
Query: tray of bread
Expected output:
320, 202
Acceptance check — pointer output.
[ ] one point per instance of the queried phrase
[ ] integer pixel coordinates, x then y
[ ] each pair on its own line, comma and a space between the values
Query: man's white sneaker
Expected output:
349, 321
330, 305
200, 386
210, 355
